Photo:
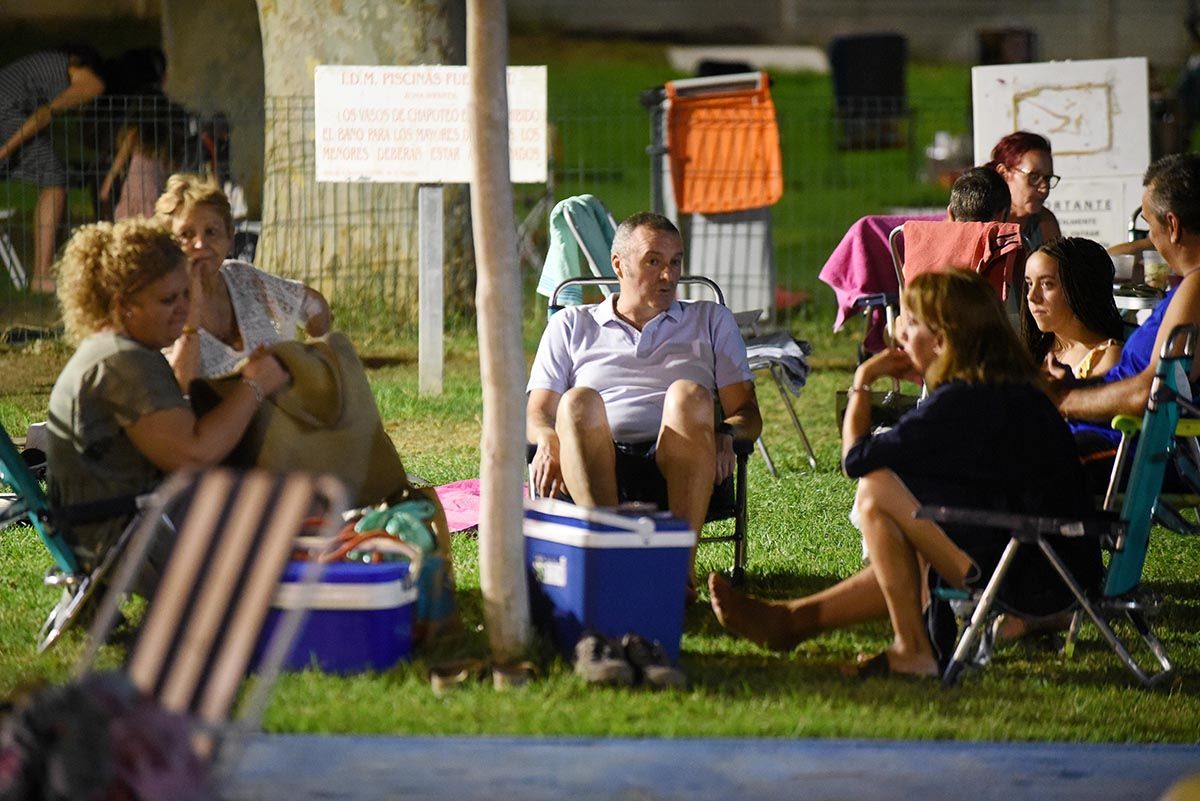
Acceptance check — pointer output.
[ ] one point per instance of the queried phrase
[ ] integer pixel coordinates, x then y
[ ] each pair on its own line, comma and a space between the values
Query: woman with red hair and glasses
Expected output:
1023, 160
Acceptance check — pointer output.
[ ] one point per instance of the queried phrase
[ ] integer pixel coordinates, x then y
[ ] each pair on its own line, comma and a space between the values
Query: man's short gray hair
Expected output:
643, 219
1174, 183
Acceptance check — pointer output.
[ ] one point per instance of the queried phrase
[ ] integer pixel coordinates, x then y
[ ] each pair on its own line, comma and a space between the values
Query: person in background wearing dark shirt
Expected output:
987, 437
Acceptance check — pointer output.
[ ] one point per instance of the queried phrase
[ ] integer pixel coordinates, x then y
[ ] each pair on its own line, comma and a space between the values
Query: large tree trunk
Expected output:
221, 71
501, 359
355, 242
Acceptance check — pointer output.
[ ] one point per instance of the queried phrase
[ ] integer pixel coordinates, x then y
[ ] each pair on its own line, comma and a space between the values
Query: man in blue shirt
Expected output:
1171, 206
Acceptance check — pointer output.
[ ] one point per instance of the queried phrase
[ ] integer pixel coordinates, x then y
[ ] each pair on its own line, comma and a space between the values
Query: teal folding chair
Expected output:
26, 503
581, 237
1127, 538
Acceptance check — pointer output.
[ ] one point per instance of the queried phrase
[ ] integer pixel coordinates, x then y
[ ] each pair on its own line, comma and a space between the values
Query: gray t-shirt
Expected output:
108, 384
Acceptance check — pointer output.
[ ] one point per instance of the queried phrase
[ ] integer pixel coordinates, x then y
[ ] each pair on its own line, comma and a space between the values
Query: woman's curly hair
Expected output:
184, 191
105, 262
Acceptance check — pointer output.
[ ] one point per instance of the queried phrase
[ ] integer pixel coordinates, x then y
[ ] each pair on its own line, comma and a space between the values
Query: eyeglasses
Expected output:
1036, 178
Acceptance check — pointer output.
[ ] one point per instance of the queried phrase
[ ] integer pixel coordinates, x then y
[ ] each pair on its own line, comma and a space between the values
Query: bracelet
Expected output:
850, 390
258, 393
188, 330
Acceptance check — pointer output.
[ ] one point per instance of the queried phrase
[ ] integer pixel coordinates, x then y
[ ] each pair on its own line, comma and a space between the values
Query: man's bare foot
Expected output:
766, 623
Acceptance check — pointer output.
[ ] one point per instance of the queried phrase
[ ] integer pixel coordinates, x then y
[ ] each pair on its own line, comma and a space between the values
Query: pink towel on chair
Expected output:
861, 264
992, 249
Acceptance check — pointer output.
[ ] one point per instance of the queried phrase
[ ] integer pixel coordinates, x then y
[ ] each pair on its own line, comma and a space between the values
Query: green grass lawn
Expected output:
800, 537
800, 541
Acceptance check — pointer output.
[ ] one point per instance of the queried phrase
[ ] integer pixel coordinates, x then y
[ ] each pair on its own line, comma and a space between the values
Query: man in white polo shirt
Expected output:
621, 396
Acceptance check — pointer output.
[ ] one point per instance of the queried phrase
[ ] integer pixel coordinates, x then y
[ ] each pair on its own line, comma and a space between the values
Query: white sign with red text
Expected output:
410, 124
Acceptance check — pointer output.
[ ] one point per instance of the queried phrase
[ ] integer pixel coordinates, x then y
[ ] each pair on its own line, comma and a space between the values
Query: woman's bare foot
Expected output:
1014, 627
769, 624
891, 663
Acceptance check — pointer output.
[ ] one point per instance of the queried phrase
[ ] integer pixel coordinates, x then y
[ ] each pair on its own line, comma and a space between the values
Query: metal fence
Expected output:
112, 158
357, 241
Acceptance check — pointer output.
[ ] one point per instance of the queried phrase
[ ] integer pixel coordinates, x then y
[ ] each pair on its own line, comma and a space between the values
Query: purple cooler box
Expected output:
360, 616
613, 570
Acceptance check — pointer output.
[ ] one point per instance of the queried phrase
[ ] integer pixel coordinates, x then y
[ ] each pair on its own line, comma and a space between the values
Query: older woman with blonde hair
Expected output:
986, 437
118, 419
235, 307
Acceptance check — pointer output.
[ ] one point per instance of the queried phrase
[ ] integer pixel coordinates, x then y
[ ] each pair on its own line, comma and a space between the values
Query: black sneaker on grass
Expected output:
650, 662
601, 661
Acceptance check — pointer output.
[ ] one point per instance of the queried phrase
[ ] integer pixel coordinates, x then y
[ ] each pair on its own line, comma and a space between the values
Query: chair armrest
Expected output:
1029, 528
875, 300
1127, 424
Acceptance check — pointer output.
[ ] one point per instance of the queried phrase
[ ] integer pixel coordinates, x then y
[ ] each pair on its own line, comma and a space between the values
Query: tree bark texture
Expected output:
501, 358
221, 71
355, 242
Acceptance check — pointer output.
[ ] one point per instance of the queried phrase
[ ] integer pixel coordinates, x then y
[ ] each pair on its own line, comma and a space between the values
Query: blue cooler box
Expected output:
360, 616
613, 570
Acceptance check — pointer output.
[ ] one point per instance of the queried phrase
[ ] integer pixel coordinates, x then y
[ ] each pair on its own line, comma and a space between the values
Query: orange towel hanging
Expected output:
724, 149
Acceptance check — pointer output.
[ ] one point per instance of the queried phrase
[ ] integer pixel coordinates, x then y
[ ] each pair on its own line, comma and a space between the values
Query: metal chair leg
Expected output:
1101, 612
979, 618
740, 524
791, 409
762, 448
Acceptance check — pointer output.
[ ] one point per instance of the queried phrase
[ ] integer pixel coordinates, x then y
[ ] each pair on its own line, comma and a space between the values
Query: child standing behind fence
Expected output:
149, 150
33, 90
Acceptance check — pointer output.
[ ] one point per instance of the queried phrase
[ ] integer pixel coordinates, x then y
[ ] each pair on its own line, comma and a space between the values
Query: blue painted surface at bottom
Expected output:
353, 768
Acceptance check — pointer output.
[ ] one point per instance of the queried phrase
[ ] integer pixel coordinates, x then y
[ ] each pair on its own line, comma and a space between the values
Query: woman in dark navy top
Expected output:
986, 437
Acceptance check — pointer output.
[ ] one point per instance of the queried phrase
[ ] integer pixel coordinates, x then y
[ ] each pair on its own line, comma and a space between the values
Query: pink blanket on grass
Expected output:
460, 500
861, 264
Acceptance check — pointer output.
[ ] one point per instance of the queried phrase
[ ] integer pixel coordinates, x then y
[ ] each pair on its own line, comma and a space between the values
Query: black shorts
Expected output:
638, 476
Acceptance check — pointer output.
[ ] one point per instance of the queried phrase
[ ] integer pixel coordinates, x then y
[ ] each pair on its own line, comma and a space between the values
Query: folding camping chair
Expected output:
728, 499
27, 504
8, 253
1121, 594
580, 225
716, 168
863, 277
591, 227
235, 534
992, 249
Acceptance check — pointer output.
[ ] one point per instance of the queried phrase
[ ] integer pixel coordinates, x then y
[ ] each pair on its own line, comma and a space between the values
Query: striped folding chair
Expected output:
235, 533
